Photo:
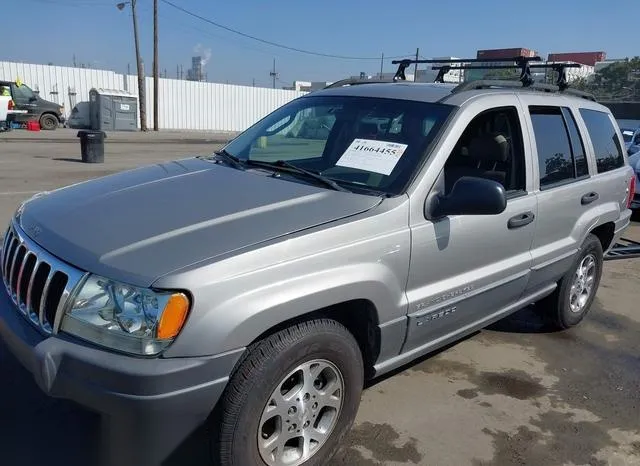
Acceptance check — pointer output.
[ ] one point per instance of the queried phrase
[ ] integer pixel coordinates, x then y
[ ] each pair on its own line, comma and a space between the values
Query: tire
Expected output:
49, 122
242, 420
562, 309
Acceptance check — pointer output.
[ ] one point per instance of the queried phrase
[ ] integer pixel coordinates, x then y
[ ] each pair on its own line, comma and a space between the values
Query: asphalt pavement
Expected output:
513, 394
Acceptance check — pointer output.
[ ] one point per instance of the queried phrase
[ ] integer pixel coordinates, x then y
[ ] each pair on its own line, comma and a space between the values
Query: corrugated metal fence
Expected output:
182, 104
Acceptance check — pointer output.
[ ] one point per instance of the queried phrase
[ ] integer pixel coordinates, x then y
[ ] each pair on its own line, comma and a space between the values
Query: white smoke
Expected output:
204, 53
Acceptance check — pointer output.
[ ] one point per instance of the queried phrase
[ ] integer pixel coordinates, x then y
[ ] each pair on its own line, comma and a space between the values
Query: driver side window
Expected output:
491, 147
22, 94
295, 137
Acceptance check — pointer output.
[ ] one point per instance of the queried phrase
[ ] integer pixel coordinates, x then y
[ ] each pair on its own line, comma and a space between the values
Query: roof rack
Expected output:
522, 63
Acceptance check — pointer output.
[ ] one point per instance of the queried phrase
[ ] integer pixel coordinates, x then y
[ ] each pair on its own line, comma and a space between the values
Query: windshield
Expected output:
359, 142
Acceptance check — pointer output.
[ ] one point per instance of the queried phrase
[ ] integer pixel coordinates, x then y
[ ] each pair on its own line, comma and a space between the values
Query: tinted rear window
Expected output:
606, 144
552, 141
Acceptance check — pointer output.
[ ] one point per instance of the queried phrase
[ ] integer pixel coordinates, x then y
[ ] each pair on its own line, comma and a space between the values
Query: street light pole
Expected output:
155, 65
141, 93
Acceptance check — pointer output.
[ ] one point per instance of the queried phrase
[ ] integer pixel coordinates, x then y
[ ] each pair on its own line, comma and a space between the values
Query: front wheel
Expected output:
48, 122
292, 398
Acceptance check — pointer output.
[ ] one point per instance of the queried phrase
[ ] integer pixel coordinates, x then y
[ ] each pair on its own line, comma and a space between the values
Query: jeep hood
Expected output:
139, 225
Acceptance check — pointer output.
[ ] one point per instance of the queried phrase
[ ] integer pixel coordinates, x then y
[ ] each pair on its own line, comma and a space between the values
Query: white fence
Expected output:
181, 104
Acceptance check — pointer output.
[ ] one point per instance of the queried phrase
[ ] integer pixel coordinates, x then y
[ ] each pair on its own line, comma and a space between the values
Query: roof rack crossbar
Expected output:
521, 62
562, 81
465, 60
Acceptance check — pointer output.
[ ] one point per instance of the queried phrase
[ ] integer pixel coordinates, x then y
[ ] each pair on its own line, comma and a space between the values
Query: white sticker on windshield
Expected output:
372, 156
628, 133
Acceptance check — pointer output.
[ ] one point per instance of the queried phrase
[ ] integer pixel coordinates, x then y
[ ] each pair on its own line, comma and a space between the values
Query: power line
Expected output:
268, 42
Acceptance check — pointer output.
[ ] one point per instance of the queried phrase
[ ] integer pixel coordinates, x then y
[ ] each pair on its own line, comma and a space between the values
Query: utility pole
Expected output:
273, 74
415, 65
155, 65
141, 93
381, 64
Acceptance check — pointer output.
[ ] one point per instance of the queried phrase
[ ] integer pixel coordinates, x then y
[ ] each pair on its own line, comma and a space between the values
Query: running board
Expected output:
623, 249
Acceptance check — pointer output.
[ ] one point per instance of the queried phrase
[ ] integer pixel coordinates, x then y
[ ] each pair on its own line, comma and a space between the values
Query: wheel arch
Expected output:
605, 234
359, 317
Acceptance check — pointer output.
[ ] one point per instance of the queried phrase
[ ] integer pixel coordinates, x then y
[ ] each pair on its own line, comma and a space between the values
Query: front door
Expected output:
465, 269
25, 99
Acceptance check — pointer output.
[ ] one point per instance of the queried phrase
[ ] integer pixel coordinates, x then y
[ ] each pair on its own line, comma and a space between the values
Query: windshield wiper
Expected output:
279, 164
232, 159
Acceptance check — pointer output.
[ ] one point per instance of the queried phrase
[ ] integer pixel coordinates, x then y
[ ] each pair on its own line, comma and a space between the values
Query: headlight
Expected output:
126, 318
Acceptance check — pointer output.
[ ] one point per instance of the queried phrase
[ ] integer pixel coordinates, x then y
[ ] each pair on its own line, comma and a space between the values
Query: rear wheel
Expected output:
48, 122
573, 298
292, 398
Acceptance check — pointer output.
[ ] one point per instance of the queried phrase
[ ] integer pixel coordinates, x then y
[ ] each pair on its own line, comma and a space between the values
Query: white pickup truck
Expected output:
6, 109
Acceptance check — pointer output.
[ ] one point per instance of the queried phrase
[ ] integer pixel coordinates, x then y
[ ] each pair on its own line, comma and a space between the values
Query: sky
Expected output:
95, 32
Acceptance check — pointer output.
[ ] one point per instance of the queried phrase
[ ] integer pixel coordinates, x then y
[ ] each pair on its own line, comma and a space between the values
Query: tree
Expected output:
620, 80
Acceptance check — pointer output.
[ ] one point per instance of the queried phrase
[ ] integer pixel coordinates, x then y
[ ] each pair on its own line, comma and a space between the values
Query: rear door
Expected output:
564, 187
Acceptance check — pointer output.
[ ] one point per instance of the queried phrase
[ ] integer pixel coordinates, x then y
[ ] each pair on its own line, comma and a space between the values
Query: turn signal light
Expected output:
173, 316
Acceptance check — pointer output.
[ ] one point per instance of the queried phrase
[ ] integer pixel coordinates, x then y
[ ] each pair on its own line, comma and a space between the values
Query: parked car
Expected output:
257, 289
50, 115
631, 139
634, 161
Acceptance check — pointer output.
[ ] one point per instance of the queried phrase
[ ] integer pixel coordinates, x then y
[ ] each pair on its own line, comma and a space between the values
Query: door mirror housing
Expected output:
469, 196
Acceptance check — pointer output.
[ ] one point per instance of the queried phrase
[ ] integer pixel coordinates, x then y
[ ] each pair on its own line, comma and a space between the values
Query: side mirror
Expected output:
470, 196
33, 98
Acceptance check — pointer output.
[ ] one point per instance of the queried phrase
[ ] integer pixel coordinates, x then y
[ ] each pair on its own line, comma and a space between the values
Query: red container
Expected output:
33, 126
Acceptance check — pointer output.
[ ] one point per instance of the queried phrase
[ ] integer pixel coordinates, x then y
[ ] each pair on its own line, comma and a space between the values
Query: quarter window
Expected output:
606, 144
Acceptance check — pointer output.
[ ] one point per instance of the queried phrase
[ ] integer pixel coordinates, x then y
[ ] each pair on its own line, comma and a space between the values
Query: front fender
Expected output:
243, 317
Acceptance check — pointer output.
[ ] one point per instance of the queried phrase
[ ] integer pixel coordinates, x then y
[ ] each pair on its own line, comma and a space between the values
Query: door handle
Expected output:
589, 198
521, 220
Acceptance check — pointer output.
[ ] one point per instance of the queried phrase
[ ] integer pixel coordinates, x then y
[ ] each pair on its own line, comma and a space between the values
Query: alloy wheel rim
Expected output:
583, 284
301, 413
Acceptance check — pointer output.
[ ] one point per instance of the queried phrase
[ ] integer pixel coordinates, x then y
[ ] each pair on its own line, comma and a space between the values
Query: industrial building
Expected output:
584, 58
505, 53
196, 73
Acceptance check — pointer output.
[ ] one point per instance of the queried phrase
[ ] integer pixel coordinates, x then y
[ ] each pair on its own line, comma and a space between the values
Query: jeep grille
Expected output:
38, 283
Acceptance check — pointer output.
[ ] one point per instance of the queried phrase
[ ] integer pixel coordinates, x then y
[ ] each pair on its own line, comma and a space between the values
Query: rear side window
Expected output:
555, 158
606, 144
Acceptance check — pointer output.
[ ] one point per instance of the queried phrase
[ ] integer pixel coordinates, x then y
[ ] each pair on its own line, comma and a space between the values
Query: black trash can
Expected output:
92, 145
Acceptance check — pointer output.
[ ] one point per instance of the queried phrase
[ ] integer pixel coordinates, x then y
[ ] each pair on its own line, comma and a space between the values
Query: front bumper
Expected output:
129, 391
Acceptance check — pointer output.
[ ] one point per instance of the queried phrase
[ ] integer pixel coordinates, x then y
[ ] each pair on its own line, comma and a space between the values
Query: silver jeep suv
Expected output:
347, 233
